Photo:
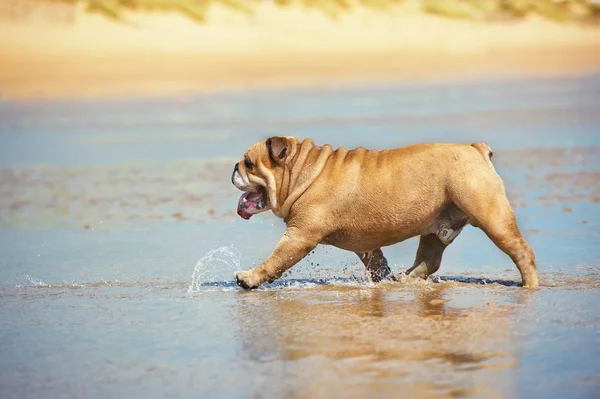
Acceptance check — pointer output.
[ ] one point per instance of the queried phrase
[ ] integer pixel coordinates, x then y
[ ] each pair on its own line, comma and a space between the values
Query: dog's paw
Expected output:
245, 279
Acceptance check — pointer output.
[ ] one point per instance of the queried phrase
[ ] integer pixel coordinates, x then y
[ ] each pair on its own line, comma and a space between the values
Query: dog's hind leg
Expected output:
375, 263
494, 215
429, 256
484, 201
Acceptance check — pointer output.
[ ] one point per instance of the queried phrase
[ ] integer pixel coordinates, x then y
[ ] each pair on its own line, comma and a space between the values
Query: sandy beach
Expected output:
58, 52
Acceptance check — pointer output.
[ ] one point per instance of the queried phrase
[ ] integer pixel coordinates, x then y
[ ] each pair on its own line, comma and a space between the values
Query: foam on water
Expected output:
35, 282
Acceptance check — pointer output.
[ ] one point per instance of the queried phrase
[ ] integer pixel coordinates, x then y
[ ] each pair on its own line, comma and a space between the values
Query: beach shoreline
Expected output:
45, 77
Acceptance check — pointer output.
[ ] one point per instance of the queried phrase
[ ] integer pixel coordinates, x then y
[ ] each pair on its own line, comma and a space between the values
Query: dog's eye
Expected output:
247, 164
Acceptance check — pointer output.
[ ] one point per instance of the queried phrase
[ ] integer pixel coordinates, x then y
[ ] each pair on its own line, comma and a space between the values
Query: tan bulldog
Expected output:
361, 200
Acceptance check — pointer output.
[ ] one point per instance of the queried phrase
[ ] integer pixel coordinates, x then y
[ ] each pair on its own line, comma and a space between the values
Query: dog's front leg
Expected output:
293, 246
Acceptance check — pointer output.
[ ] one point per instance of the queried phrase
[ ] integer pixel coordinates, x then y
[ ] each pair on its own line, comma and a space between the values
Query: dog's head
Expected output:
259, 173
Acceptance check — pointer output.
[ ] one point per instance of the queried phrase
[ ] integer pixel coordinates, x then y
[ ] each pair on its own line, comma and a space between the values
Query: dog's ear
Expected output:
279, 148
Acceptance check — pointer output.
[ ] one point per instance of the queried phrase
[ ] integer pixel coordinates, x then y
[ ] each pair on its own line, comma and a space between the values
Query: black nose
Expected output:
235, 169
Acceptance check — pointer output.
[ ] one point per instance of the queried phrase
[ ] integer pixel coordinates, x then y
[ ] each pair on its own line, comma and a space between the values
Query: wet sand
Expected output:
119, 242
304, 339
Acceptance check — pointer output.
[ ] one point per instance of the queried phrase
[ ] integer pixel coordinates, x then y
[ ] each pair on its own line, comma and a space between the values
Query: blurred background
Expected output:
120, 123
91, 49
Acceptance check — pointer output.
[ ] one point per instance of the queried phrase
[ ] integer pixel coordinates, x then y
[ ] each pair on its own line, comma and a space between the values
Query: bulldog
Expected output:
362, 200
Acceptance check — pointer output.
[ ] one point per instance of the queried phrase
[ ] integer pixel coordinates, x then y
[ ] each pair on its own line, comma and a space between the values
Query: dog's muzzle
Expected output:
253, 200
237, 179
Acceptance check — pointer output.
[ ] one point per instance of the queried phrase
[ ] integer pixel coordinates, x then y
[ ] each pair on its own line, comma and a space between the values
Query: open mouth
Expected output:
252, 202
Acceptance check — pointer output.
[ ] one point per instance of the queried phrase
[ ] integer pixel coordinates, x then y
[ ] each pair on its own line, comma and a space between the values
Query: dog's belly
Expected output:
446, 223
365, 241
373, 232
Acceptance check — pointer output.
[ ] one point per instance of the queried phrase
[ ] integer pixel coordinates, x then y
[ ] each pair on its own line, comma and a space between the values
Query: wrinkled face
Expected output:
248, 176
256, 174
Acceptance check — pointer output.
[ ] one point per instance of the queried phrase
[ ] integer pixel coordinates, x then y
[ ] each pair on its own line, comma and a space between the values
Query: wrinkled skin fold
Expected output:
362, 200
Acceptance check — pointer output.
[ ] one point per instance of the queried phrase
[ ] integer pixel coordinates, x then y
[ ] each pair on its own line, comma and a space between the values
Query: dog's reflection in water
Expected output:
408, 341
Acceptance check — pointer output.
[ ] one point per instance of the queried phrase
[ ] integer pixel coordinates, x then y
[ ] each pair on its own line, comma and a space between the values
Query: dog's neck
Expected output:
305, 165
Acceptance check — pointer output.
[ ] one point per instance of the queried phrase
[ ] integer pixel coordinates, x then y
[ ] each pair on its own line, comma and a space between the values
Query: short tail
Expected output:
486, 151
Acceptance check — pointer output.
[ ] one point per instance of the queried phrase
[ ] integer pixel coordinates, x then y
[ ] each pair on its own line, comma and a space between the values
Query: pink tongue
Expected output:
248, 201
243, 214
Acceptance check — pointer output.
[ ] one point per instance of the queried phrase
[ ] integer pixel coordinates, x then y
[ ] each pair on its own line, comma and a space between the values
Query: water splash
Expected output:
34, 282
212, 264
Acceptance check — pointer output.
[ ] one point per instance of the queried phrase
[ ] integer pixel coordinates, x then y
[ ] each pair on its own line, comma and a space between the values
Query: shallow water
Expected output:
119, 239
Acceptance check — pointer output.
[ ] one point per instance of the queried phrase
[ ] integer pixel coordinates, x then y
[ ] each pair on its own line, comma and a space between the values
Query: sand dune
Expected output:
68, 53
